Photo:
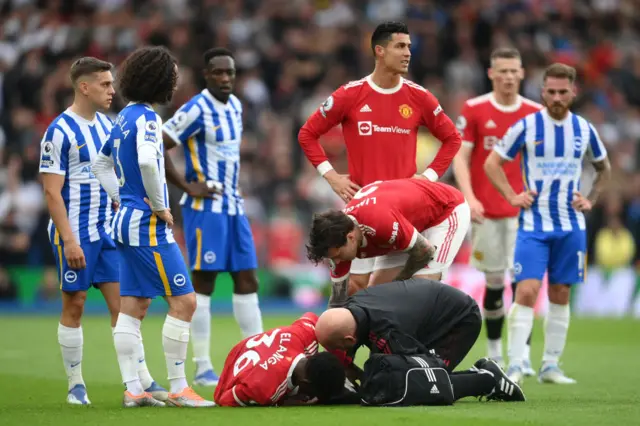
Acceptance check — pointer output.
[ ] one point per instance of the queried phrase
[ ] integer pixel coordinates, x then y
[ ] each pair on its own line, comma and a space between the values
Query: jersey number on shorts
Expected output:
116, 154
252, 357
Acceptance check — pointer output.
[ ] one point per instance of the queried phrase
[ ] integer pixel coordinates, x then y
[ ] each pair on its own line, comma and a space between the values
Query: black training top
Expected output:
405, 317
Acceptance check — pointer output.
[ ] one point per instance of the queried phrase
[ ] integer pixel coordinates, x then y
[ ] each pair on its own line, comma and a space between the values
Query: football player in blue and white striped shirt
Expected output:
217, 232
151, 261
551, 235
79, 229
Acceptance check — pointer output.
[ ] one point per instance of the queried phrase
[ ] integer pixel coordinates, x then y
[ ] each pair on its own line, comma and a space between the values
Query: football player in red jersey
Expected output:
380, 116
482, 122
413, 227
283, 363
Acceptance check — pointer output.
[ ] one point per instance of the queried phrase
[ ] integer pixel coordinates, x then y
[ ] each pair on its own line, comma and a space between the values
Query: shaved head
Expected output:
336, 329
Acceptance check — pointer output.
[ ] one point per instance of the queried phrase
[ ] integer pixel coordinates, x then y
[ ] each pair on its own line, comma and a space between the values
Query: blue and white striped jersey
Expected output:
211, 133
68, 147
134, 224
552, 157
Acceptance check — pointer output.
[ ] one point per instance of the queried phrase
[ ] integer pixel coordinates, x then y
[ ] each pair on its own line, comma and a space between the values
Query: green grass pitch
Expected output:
603, 355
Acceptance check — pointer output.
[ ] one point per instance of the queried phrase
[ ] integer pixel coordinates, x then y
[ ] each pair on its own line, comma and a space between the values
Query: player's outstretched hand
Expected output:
204, 189
524, 199
342, 185
164, 215
477, 211
581, 203
74, 255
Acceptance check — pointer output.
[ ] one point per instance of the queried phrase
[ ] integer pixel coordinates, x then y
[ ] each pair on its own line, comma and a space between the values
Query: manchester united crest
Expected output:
405, 111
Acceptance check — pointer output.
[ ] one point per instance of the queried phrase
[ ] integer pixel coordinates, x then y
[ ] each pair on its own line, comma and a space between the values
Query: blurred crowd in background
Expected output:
290, 55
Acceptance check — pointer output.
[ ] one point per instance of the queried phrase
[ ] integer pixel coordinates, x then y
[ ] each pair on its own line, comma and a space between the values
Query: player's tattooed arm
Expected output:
603, 173
339, 293
419, 255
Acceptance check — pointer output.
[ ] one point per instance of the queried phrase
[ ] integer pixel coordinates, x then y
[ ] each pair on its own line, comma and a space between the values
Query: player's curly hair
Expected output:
148, 75
328, 230
326, 376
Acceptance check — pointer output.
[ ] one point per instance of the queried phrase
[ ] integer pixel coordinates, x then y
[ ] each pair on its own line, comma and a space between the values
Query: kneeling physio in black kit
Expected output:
418, 332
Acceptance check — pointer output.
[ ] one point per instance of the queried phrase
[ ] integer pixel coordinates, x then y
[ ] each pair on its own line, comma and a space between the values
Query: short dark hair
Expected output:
559, 70
216, 51
148, 75
328, 230
87, 65
384, 31
505, 53
326, 376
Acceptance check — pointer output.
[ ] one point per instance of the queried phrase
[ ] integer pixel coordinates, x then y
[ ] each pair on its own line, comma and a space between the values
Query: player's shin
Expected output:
201, 333
520, 322
126, 338
247, 313
175, 339
471, 383
555, 332
494, 313
71, 341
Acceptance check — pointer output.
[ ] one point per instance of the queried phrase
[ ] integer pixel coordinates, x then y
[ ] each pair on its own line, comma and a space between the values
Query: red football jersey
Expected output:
482, 123
391, 213
258, 370
380, 128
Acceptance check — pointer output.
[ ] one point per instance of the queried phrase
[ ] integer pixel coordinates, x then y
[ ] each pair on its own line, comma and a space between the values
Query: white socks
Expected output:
520, 323
555, 332
175, 339
126, 337
494, 348
247, 313
70, 340
201, 334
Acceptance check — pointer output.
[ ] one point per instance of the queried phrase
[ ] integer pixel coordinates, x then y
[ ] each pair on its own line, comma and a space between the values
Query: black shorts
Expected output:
455, 345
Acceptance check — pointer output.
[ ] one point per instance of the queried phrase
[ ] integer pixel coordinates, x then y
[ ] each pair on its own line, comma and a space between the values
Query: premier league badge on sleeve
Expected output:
326, 106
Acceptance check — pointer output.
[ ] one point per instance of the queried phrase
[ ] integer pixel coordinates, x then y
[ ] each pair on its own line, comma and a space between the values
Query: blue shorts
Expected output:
218, 242
562, 254
102, 263
153, 271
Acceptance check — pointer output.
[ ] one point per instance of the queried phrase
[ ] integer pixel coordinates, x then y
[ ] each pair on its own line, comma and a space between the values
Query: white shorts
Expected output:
493, 242
447, 236
362, 266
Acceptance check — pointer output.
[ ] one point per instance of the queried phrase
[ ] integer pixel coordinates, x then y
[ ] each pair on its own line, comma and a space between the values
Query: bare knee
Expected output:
559, 294
72, 308
245, 282
357, 282
527, 292
182, 307
204, 282
135, 307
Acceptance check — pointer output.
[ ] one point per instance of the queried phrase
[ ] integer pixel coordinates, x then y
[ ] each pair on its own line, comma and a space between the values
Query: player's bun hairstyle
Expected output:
328, 230
558, 70
216, 51
148, 75
326, 376
384, 31
87, 66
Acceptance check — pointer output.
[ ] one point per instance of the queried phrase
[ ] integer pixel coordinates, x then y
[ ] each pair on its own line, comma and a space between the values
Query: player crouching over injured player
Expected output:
418, 331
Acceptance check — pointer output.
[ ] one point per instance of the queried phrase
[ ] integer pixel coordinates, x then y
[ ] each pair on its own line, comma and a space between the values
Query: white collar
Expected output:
148, 105
505, 108
545, 112
81, 119
382, 90
295, 362
206, 93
